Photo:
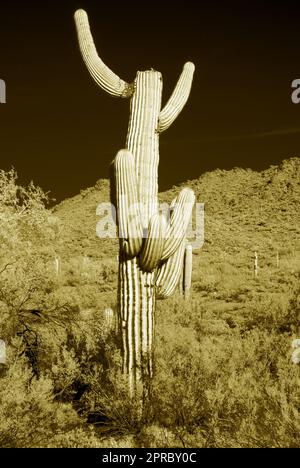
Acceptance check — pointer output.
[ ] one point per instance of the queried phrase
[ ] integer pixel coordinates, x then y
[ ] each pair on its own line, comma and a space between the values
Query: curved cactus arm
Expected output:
103, 76
178, 98
169, 274
128, 209
183, 206
152, 250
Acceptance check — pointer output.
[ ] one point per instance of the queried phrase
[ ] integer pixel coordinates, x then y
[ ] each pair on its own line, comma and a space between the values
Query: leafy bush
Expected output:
29, 416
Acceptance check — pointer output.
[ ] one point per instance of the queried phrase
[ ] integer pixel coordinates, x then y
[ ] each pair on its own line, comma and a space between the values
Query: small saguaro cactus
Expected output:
109, 319
296, 353
187, 270
56, 266
256, 267
2, 352
2, 92
151, 248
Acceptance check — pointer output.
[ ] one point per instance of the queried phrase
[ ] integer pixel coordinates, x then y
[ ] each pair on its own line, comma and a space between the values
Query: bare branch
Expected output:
6, 266
178, 98
103, 76
26, 298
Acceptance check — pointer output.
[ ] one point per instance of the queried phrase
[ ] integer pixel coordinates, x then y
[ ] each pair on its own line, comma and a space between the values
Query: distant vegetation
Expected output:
223, 370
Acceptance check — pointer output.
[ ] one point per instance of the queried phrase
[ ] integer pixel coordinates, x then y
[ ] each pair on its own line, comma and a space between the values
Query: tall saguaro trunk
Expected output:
137, 286
143, 138
137, 312
151, 249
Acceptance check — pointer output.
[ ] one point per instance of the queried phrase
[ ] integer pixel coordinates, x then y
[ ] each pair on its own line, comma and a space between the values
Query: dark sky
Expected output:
59, 129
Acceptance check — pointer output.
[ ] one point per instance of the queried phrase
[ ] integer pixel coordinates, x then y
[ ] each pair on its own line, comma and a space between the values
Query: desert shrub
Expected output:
29, 416
28, 238
259, 396
107, 402
155, 436
75, 438
209, 391
86, 437
275, 312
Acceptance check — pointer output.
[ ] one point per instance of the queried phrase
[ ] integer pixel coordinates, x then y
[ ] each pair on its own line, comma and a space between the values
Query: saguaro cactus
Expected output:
2, 92
2, 352
56, 266
187, 270
256, 267
151, 249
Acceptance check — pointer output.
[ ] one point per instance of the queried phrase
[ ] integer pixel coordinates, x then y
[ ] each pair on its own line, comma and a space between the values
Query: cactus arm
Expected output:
170, 273
178, 98
153, 248
183, 206
103, 76
128, 213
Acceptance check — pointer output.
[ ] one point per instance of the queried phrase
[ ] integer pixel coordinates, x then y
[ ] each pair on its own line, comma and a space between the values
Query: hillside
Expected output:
244, 211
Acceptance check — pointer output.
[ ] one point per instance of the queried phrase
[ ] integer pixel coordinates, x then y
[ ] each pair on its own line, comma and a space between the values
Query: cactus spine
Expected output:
151, 250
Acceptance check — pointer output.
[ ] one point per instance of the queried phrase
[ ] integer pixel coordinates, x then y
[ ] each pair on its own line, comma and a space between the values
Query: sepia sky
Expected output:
59, 129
